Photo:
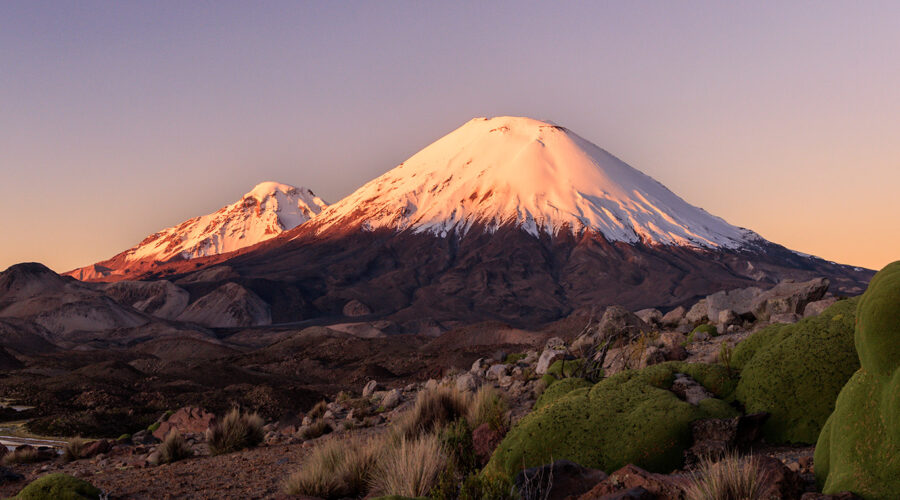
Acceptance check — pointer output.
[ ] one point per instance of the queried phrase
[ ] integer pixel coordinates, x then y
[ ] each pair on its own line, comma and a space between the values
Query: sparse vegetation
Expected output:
174, 448
318, 410
59, 487
73, 449
730, 478
411, 468
27, 455
706, 328
489, 406
433, 409
337, 469
235, 432
315, 429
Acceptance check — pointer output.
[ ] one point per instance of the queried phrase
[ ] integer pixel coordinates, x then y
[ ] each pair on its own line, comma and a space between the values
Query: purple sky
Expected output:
118, 119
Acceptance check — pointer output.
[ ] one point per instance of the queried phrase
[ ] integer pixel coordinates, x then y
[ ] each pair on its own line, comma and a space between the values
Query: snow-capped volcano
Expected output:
268, 210
532, 174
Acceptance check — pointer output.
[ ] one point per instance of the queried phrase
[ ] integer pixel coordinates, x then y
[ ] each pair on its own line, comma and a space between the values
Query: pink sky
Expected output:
120, 119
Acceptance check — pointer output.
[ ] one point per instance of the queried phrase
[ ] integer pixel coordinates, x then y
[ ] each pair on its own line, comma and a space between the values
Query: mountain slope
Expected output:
265, 212
534, 175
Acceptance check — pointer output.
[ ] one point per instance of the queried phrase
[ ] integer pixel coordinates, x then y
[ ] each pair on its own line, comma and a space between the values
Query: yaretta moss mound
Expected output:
59, 487
795, 372
859, 448
631, 417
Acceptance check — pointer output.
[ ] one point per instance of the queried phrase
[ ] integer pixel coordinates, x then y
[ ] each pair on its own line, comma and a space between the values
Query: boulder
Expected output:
816, 308
620, 322
740, 301
674, 317
779, 481
548, 357
392, 399
369, 388
563, 478
689, 390
496, 372
650, 316
356, 308
186, 420
467, 382
697, 314
726, 318
555, 343
784, 318
788, 297
479, 367
95, 448
631, 477
713, 437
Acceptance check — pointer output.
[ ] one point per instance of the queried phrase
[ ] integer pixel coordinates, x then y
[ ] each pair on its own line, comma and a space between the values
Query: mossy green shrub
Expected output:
562, 368
59, 487
795, 372
560, 389
630, 417
706, 328
859, 448
514, 358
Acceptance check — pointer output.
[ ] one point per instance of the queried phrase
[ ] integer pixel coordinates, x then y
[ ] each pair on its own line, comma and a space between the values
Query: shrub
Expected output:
630, 417
153, 427
565, 368
73, 449
706, 328
411, 468
59, 487
174, 448
124, 437
559, 389
859, 446
514, 358
27, 455
237, 431
731, 478
318, 410
795, 372
337, 469
485, 487
456, 439
315, 429
433, 409
489, 407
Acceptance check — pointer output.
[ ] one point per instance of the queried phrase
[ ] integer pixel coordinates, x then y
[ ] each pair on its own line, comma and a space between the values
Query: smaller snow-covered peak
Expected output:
268, 210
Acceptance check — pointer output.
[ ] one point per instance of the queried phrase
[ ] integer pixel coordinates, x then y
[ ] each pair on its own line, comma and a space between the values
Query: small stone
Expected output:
369, 388
392, 399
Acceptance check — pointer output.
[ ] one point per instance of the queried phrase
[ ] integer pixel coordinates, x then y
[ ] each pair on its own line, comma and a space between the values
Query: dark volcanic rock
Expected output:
563, 478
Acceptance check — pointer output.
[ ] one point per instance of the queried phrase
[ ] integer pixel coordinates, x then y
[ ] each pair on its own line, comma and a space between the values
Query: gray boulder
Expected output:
466, 382
369, 388
620, 322
548, 357
650, 316
356, 308
789, 297
740, 301
816, 308
674, 317
697, 314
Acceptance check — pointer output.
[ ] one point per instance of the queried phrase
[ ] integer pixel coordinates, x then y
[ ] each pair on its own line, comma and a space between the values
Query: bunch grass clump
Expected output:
315, 429
488, 406
433, 409
237, 431
411, 468
174, 448
74, 449
730, 478
28, 455
337, 469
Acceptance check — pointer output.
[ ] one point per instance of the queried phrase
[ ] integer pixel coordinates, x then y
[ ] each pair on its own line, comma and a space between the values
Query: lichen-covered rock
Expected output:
674, 317
631, 417
794, 372
859, 448
59, 487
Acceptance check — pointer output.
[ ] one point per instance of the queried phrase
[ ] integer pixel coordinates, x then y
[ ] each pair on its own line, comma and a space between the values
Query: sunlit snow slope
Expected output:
534, 174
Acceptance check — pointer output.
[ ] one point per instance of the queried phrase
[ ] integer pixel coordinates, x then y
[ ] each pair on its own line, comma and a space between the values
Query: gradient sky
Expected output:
118, 119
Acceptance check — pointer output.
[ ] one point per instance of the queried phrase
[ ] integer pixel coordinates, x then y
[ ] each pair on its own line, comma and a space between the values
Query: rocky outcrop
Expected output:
162, 299
739, 301
187, 420
632, 477
788, 297
230, 305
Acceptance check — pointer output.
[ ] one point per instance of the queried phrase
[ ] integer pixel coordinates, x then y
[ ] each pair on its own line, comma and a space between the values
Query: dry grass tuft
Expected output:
315, 429
337, 469
174, 448
237, 431
731, 478
433, 409
411, 468
74, 449
23, 456
318, 410
489, 407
